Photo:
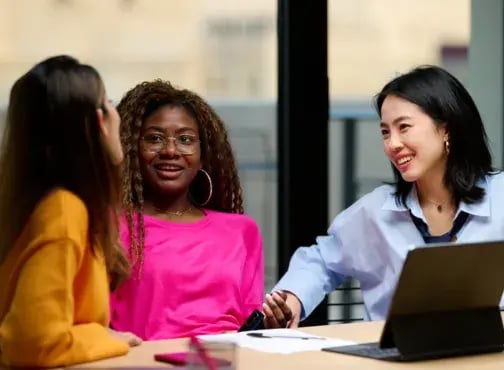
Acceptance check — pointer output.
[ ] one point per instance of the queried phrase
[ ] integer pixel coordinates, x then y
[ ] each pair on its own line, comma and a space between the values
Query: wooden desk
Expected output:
252, 360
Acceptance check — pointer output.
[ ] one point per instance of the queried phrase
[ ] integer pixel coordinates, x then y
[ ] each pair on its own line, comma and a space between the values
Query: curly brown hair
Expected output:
216, 154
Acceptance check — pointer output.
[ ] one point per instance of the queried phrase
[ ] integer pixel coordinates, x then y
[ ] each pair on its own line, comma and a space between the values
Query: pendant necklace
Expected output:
439, 206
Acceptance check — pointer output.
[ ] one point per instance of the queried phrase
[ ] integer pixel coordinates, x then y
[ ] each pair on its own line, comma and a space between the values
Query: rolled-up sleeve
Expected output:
317, 270
308, 276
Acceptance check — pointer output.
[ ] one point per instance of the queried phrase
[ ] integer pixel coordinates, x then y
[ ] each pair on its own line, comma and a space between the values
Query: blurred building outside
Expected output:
226, 51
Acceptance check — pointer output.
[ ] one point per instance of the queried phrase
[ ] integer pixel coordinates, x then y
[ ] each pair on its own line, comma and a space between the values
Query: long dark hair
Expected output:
441, 96
52, 140
216, 153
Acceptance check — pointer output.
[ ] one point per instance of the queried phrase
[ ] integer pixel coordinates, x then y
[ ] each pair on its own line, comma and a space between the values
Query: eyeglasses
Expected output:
184, 143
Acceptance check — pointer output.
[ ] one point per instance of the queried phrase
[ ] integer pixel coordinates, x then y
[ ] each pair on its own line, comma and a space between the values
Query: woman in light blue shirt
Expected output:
445, 190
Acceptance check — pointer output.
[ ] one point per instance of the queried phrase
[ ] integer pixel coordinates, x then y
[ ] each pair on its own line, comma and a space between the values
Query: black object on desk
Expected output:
446, 303
254, 322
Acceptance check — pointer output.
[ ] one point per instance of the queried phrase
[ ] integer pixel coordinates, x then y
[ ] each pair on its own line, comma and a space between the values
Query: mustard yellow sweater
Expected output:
54, 293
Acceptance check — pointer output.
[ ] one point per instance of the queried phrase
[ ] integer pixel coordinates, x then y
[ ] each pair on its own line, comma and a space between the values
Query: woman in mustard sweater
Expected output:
58, 198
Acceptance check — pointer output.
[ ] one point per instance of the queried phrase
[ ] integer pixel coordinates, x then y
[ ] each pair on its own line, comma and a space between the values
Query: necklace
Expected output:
173, 213
439, 206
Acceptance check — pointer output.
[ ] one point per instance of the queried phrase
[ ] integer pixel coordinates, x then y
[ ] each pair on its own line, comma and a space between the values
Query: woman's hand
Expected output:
125, 336
282, 309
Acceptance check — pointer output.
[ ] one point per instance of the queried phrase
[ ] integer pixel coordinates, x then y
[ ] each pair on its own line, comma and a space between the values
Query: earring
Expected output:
210, 187
447, 146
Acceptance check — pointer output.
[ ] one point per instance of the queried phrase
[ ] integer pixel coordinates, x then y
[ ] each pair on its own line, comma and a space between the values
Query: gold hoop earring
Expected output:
210, 192
447, 146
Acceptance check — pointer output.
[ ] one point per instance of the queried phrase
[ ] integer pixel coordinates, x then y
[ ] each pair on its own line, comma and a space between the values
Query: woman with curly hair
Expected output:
197, 260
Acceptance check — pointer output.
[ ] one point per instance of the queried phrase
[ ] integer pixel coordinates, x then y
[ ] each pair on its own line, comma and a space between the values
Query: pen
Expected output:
262, 335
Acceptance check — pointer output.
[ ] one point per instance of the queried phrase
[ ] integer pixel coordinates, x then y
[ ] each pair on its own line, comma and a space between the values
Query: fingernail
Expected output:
265, 305
268, 295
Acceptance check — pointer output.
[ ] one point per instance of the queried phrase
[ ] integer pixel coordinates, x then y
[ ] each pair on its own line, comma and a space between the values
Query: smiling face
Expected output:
412, 141
166, 133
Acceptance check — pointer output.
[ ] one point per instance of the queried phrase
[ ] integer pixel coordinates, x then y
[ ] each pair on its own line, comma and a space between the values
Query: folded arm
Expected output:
253, 272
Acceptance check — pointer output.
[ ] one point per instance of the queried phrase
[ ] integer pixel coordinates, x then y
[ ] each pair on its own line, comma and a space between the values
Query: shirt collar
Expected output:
392, 205
481, 208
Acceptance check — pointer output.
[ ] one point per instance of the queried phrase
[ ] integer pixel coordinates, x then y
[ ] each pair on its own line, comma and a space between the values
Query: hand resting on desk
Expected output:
131, 339
281, 309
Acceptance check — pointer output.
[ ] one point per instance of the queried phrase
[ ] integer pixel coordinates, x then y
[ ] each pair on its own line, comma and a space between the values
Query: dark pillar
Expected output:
303, 108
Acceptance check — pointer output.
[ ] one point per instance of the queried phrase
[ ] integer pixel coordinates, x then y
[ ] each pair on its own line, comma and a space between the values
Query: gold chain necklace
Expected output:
173, 213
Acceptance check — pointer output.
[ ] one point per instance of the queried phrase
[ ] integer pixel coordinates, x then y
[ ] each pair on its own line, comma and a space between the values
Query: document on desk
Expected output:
277, 340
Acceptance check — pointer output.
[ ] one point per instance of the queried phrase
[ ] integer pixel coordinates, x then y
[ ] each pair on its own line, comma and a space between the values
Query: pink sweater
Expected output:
197, 278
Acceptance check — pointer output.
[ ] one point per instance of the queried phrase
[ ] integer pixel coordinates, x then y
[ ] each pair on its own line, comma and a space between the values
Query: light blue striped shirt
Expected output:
370, 240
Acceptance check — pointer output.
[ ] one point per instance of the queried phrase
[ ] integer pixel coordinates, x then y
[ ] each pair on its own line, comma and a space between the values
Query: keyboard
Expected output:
370, 350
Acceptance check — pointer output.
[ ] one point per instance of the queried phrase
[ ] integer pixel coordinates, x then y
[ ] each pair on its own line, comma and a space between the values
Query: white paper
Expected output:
276, 344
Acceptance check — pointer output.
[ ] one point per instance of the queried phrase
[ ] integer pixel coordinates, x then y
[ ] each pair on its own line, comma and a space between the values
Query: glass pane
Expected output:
224, 50
370, 42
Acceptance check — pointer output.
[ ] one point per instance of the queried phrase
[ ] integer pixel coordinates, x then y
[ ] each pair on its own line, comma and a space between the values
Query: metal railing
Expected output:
346, 303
